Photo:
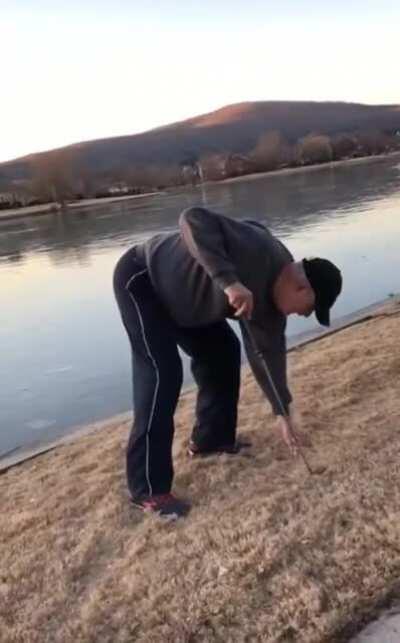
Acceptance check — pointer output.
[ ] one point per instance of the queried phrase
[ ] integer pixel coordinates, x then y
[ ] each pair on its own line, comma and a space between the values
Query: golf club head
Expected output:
317, 471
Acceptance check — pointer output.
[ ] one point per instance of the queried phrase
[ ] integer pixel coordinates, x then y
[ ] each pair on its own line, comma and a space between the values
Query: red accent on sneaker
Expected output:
165, 505
154, 503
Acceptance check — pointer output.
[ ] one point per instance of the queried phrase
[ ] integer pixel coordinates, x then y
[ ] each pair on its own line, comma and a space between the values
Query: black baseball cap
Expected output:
326, 281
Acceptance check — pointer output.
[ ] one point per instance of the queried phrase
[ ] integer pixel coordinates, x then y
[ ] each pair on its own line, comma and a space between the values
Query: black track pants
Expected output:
157, 379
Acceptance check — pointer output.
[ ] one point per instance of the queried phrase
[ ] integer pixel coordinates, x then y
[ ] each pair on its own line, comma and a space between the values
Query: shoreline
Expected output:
19, 455
312, 168
54, 208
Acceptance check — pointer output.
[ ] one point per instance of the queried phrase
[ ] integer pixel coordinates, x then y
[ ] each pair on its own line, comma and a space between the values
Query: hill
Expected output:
235, 129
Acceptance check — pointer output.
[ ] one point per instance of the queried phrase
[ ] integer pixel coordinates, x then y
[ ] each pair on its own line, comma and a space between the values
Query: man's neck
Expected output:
283, 282
278, 287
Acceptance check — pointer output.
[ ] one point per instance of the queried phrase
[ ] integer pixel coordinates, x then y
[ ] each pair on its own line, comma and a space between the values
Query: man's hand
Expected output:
241, 299
289, 434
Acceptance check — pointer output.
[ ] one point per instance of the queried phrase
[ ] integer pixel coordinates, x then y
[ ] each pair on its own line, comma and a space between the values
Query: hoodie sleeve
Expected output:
203, 234
271, 343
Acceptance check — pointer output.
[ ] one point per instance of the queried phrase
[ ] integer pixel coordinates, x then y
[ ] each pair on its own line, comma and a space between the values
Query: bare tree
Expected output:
190, 173
373, 142
268, 153
238, 165
213, 167
86, 182
343, 146
314, 148
151, 176
53, 175
168, 175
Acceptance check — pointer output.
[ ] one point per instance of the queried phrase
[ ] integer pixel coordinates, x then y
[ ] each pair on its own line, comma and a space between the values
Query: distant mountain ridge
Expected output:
232, 129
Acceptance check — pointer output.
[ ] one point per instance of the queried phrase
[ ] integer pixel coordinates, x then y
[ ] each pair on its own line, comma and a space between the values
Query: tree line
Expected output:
60, 176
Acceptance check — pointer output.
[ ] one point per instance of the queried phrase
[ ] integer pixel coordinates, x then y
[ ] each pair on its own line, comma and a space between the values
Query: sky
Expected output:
75, 71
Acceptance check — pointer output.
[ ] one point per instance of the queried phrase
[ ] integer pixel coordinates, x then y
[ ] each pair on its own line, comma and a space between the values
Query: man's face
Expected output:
300, 300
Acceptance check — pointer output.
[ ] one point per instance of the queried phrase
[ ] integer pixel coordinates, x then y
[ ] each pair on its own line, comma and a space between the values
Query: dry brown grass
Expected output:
268, 553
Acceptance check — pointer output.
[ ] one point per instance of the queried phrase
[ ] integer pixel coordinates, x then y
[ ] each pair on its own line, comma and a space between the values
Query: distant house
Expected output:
118, 189
16, 195
9, 200
5, 197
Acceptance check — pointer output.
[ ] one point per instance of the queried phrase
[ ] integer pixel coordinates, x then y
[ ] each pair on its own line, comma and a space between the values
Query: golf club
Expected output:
311, 471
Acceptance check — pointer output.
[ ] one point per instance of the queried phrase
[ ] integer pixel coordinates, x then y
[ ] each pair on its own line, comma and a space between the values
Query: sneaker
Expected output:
231, 449
164, 505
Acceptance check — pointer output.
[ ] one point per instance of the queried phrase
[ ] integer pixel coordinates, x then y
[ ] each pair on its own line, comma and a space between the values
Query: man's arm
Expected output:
272, 344
273, 360
203, 235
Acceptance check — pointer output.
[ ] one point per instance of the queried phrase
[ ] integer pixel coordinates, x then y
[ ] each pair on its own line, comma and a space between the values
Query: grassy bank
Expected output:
268, 553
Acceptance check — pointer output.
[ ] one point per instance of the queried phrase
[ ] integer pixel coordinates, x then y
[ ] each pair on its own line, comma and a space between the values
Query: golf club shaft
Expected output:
273, 387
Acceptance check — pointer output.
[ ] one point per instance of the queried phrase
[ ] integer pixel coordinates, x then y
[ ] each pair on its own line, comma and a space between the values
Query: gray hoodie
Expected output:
189, 270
